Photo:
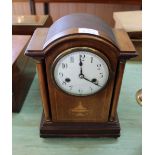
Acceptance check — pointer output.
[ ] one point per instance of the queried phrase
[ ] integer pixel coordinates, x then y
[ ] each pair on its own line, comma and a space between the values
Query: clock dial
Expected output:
81, 72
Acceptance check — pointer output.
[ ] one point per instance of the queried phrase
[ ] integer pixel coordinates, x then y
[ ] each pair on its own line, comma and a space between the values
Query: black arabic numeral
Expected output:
63, 83
101, 75
64, 65
82, 57
61, 74
70, 87
99, 67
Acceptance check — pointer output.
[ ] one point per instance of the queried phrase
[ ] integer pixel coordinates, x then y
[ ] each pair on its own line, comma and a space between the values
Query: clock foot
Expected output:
52, 129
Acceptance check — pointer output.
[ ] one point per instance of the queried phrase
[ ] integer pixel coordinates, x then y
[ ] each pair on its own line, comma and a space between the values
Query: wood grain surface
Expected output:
123, 41
63, 104
94, 113
27, 24
23, 71
137, 2
38, 20
38, 39
59, 9
117, 88
18, 44
43, 90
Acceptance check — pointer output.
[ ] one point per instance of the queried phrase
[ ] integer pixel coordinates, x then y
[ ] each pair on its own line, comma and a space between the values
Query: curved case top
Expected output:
84, 23
79, 24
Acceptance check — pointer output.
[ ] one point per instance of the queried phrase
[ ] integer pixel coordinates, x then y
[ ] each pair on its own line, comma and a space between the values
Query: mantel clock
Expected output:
80, 62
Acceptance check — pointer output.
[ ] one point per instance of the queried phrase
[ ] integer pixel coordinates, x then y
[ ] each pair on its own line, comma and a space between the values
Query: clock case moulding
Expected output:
80, 30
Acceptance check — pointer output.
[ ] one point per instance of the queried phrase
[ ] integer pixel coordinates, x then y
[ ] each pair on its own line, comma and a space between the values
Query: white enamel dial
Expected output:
81, 72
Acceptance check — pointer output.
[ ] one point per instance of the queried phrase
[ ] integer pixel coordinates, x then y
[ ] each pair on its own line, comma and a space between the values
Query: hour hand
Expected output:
80, 60
80, 64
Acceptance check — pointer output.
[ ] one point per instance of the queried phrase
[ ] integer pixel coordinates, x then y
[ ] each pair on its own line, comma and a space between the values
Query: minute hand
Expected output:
91, 81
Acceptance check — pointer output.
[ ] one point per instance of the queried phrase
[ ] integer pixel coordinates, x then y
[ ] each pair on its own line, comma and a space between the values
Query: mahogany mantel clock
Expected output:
80, 62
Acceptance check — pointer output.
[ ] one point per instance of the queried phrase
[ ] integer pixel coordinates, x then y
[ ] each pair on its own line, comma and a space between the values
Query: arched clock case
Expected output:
80, 62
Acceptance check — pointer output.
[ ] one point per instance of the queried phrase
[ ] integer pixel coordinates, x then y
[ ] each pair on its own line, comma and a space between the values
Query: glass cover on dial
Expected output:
81, 72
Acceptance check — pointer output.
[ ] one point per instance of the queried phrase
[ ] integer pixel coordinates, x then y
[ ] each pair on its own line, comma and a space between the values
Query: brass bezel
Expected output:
74, 49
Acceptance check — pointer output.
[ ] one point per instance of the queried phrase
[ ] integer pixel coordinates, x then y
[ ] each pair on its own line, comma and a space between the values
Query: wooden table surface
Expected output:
37, 20
130, 21
27, 24
18, 44
26, 140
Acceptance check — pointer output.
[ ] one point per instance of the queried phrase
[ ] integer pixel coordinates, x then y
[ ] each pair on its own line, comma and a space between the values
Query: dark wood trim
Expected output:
51, 129
126, 48
116, 92
37, 42
123, 41
135, 35
32, 7
46, 8
36, 49
43, 90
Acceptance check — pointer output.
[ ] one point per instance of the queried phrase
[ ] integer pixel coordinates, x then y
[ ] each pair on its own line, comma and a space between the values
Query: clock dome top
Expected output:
80, 23
77, 30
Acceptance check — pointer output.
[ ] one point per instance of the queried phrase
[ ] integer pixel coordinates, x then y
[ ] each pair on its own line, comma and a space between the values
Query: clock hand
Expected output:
90, 81
81, 66
81, 75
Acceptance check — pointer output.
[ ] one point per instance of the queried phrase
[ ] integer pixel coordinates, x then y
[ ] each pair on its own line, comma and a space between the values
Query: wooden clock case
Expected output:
66, 115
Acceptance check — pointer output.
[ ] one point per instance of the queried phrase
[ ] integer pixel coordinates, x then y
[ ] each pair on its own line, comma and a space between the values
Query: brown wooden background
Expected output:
59, 9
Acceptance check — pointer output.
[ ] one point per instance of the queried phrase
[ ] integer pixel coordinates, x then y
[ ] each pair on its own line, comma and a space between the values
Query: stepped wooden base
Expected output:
108, 129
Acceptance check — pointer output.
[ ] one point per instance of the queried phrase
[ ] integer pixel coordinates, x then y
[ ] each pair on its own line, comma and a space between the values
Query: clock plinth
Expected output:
107, 129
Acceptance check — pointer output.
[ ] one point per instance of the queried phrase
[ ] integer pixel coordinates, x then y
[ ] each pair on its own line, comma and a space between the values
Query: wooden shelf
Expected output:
134, 2
26, 24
